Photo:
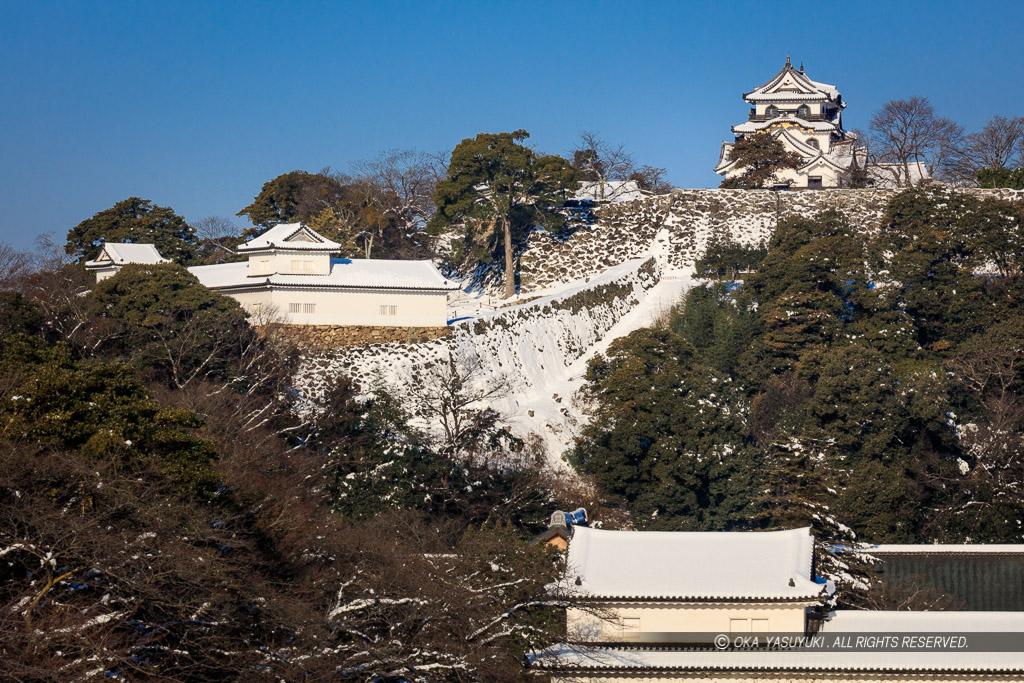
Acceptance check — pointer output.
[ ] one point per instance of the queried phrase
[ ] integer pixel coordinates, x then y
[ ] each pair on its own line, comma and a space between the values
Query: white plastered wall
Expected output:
609, 620
348, 307
292, 262
108, 271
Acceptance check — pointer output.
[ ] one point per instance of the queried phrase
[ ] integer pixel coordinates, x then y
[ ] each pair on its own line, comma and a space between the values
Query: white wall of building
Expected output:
291, 262
313, 306
629, 621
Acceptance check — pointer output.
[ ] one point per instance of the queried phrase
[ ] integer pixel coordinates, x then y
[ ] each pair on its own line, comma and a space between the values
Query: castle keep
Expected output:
807, 118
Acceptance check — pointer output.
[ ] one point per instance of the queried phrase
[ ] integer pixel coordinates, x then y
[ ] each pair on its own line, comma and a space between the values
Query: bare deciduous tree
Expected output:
909, 143
13, 264
1000, 144
58, 285
602, 163
217, 237
455, 395
403, 182
651, 179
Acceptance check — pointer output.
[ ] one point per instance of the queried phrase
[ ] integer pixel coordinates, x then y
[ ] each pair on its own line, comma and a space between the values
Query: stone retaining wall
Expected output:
325, 338
676, 228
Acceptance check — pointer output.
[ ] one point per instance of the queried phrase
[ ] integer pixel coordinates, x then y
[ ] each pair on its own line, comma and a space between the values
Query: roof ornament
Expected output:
801, 66
787, 60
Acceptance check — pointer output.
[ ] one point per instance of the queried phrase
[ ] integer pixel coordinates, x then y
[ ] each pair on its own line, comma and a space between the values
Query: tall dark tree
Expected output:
497, 186
138, 221
667, 435
292, 196
174, 329
760, 156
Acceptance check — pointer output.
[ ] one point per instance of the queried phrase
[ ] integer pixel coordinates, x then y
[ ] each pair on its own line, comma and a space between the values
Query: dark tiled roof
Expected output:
978, 581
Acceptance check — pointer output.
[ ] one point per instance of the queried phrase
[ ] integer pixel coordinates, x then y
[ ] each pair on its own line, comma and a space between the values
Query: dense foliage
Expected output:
138, 221
868, 386
172, 508
379, 214
1001, 177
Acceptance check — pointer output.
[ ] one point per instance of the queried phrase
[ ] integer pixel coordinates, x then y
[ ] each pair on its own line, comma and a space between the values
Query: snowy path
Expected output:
557, 415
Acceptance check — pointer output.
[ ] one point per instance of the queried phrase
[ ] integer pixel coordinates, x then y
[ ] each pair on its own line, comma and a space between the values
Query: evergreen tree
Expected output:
667, 435
136, 221
760, 156
931, 245
172, 328
498, 188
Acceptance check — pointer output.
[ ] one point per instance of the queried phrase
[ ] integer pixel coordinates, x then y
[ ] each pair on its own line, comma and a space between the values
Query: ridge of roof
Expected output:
817, 126
278, 237
344, 274
817, 89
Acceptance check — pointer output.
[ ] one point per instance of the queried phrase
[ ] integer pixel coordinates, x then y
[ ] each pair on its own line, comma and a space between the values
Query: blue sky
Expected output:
195, 105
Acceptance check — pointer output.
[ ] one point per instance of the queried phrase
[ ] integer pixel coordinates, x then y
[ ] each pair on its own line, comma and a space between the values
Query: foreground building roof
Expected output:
654, 661
823, 655
693, 566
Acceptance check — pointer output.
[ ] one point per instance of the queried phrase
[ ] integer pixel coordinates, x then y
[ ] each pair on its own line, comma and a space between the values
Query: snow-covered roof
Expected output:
791, 84
819, 161
879, 621
791, 143
884, 178
754, 126
693, 565
290, 237
947, 549
121, 253
573, 657
723, 158
612, 191
345, 273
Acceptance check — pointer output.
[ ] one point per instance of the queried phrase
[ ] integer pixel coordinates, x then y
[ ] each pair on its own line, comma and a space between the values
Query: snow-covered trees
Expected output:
172, 508
866, 382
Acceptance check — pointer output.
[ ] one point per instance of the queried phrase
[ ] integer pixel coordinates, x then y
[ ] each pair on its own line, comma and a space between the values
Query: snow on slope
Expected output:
532, 349
559, 423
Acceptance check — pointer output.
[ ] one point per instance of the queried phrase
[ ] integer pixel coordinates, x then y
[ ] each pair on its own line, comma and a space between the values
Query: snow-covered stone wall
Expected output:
676, 228
522, 347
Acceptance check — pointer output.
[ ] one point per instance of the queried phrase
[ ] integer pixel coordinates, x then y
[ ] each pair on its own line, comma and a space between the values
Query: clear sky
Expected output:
195, 105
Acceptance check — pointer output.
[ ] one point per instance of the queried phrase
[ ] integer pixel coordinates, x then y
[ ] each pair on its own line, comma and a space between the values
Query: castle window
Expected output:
294, 308
813, 143
772, 111
309, 308
803, 111
814, 181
